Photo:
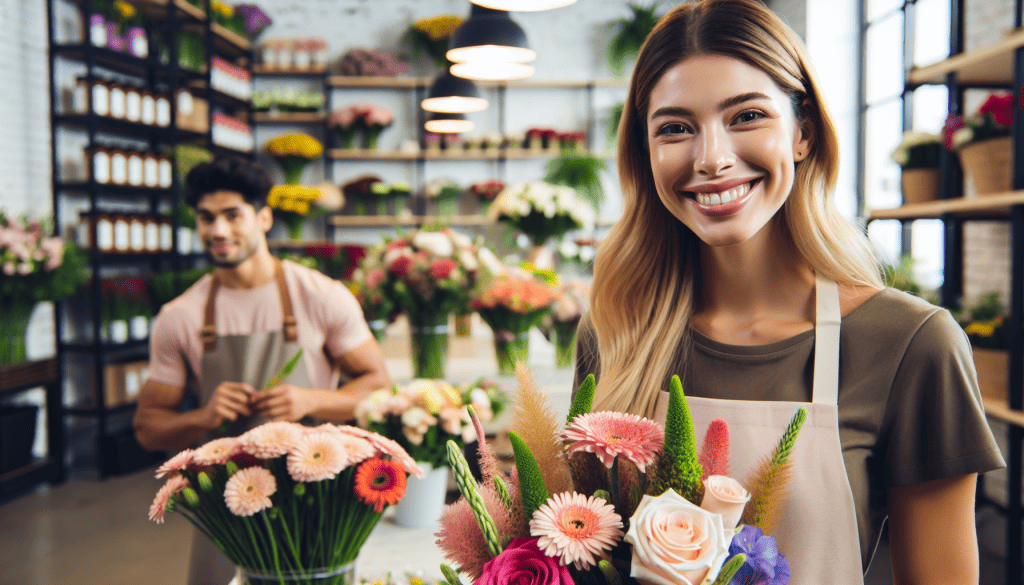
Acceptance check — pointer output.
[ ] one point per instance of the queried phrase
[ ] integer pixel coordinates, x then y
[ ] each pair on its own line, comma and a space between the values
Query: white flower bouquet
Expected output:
541, 210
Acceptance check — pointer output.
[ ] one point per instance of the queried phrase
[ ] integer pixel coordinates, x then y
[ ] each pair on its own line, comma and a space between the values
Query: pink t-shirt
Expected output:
329, 320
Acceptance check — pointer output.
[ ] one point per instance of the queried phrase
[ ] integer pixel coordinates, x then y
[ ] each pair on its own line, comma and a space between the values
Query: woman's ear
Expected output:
803, 138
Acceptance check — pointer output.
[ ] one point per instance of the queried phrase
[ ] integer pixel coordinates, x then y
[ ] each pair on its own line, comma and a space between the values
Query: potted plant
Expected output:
983, 143
986, 327
631, 32
918, 157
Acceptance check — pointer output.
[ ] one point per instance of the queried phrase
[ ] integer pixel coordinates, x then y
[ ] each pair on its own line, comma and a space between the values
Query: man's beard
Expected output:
245, 251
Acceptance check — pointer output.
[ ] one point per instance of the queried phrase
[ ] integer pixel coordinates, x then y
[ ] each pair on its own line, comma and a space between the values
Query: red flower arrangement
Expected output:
993, 120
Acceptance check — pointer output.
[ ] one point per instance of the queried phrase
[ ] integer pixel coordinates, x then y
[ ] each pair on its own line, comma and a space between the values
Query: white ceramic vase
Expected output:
424, 498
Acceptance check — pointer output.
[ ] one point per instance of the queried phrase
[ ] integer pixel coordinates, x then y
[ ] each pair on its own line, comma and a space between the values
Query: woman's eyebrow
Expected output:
724, 105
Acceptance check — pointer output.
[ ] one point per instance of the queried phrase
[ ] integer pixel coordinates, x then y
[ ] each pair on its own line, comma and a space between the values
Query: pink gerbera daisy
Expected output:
316, 457
163, 497
355, 449
386, 446
175, 464
248, 491
217, 451
612, 434
271, 439
576, 528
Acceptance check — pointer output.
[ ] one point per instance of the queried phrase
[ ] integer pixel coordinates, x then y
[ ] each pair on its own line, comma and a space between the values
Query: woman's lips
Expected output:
711, 209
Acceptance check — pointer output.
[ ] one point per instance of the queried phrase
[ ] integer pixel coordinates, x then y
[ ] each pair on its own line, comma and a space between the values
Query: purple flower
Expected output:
765, 564
255, 19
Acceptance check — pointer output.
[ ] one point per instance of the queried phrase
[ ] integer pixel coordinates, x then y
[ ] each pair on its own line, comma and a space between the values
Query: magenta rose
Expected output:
523, 563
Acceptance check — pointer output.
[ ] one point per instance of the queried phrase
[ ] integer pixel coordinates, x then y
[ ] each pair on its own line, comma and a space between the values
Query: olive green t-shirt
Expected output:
909, 405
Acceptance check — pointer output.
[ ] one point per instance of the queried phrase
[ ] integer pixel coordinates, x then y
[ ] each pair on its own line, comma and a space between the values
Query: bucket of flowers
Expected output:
286, 502
445, 194
373, 119
512, 306
293, 152
422, 417
983, 143
295, 205
611, 497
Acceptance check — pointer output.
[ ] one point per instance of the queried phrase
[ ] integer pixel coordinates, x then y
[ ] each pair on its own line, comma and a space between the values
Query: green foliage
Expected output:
902, 277
612, 121
531, 483
580, 171
166, 286
985, 324
632, 32
583, 402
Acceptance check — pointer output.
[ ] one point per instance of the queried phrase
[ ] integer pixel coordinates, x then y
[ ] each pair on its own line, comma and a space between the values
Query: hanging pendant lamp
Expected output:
491, 71
523, 5
491, 36
453, 95
447, 123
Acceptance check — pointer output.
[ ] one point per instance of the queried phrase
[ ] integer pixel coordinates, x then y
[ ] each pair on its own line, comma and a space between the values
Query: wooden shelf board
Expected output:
991, 65
964, 207
260, 69
452, 155
157, 9
289, 117
353, 81
1000, 409
463, 220
230, 40
368, 154
372, 220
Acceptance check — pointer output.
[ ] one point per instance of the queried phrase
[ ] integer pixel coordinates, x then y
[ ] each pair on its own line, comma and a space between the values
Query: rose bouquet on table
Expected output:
512, 306
430, 274
615, 498
294, 205
293, 152
285, 501
571, 302
541, 210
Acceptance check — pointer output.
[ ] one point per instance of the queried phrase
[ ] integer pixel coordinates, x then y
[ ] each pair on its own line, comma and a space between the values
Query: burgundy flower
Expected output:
953, 123
1000, 106
523, 563
401, 265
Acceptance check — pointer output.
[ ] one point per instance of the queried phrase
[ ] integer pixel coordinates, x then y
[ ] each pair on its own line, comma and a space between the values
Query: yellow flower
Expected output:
438, 27
301, 207
300, 145
127, 10
226, 10
980, 329
355, 289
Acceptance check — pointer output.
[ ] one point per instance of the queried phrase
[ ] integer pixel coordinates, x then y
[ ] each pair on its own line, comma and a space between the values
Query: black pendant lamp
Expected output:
523, 5
439, 123
453, 95
489, 36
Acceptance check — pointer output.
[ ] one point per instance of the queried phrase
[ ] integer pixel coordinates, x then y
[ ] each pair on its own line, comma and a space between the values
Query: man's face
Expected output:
231, 229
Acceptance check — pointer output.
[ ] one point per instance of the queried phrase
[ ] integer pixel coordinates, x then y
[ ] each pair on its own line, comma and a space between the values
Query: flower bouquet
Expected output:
541, 210
372, 63
511, 307
293, 152
486, 192
34, 267
373, 119
983, 143
570, 304
613, 497
343, 121
294, 205
429, 275
286, 502
431, 35
446, 194
378, 309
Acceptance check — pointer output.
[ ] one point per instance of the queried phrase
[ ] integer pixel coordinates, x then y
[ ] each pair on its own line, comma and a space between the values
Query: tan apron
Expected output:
253, 359
818, 529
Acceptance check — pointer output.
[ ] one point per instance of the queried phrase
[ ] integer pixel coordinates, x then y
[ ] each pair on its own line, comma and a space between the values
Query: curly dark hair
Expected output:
229, 173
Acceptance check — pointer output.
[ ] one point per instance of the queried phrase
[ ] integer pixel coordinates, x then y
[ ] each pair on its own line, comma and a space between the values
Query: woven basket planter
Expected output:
989, 164
920, 185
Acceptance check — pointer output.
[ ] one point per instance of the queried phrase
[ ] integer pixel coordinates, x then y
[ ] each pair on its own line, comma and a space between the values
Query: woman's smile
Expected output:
723, 200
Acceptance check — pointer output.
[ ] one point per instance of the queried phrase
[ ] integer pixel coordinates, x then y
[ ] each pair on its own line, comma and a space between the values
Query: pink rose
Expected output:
401, 265
442, 269
374, 278
523, 563
675, 542
724, 495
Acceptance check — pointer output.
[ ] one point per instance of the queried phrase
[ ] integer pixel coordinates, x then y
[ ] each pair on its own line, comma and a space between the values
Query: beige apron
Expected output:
818, 529
253, 359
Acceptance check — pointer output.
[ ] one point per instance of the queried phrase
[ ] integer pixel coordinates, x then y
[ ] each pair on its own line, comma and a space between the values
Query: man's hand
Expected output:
230, 400
284, 402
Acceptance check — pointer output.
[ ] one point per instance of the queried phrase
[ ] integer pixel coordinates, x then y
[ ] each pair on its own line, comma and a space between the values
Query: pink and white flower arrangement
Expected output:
275, 499
615, 498
424, 415
368, 117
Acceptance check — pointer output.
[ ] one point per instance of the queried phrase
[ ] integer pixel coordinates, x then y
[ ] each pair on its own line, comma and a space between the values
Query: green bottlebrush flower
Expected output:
677, 466
531, 483
468, 486
502, 488
584, 399
789, 437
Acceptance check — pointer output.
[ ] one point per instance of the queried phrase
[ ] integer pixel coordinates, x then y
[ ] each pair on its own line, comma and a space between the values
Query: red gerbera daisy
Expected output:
379, 483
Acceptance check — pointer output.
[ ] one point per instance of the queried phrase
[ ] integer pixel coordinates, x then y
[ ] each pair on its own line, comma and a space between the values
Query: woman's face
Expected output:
723, 141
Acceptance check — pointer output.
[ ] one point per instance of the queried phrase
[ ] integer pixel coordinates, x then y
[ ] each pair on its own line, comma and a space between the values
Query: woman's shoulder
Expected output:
890, 316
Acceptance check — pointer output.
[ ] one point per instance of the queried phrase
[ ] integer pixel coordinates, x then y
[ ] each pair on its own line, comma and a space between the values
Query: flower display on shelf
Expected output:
260, 497
372, 63
992, 120
541, 138
486, 192
299, 54
231, 133
230, 79
541, 210
445, 193
579, 252
431, 35
254, 20
294, 205
126, 308
368, 190
293, 152
424, 415
367, 118
610, 496
513, 305
984, 145
985, 323
287, 100
918, 150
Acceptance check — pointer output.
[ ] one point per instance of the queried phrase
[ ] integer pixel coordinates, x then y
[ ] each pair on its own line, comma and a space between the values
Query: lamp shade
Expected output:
489, 35
523, 5
451, 94
447, 123
492, 71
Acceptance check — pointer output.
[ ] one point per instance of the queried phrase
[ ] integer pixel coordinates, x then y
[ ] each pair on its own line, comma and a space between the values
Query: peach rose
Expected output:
675, 542
724, 495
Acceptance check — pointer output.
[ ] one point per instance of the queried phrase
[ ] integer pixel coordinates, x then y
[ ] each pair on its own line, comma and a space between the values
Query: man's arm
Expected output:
159, 425
365, 367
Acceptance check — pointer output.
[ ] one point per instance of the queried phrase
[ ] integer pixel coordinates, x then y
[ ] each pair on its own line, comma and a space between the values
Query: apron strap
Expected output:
827, 319
208, 333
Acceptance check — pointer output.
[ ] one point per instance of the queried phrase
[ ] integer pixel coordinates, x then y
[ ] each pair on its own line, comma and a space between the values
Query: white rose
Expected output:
962, 137
675, 542
490, 261
468, 260
724, 495
435, 243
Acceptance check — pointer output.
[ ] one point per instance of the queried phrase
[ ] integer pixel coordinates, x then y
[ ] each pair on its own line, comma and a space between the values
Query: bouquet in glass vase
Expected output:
293, 152
610, 497
429, 275
571, 302
287, 502
511, 307
541, 210
34, 267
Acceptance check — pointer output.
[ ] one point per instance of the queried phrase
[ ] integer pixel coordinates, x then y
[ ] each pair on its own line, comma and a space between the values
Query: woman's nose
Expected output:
714, 152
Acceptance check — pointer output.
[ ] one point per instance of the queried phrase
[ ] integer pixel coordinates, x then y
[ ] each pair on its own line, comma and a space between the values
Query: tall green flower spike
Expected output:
502, 488
531, 483
450, 574
468, 486
789, 437
611, 576
677, 466
584, 399
730, 568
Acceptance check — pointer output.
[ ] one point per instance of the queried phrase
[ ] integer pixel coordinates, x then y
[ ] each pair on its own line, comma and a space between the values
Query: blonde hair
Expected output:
641, 324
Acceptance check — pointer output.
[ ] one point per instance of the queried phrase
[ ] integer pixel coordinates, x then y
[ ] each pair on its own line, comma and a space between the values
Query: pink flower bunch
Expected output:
992, 120
572, 301
373, 115
25, 249
487, 190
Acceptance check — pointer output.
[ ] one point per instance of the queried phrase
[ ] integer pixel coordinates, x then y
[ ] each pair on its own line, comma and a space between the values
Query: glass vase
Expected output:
510, 348
429, 335
343, 575
13, 325
378, 327
464, 325
565, 342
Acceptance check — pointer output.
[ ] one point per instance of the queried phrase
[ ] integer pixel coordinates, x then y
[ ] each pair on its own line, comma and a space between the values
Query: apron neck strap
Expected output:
827, 319
208, 333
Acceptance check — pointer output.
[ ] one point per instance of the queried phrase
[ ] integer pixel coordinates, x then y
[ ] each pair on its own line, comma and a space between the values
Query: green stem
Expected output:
273, 544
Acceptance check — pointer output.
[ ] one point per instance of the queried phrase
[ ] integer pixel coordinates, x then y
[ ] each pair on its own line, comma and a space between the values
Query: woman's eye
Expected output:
671, 129
749, 116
